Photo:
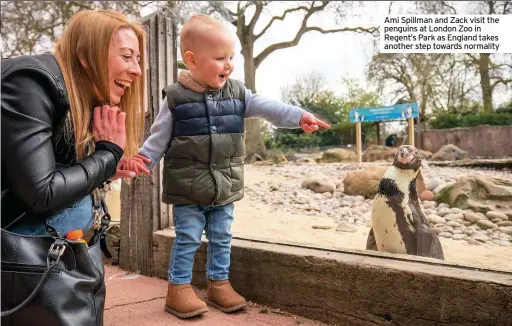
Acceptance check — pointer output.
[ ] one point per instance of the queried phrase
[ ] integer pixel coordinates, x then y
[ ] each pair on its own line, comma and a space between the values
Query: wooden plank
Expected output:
141, 199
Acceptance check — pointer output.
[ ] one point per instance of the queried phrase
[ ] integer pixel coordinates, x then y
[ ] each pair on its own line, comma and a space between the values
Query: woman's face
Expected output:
123, 63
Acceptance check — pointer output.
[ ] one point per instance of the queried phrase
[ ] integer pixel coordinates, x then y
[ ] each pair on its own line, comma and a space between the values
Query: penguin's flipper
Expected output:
424, 239
371, 243
437, 249
427, 242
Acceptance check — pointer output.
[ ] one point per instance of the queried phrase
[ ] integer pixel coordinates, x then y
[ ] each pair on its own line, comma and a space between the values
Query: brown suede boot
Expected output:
221, 295
182, 302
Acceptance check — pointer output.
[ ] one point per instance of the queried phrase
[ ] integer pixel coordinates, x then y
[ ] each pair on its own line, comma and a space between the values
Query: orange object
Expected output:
76, 235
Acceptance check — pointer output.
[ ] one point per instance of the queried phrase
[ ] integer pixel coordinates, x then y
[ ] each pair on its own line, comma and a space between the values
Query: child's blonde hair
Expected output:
195, 29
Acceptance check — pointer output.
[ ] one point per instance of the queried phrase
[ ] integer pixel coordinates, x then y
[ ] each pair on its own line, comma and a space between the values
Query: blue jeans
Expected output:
78, 216
189, 222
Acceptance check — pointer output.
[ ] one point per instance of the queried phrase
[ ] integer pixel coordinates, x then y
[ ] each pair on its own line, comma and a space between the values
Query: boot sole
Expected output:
228, 309
185, 315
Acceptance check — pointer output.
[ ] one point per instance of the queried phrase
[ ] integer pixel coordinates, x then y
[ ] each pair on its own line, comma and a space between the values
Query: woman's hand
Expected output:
109, 125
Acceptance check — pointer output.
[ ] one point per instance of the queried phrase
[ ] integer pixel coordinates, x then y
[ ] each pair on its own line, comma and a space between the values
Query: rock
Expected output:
473, 217
445, 235
345, 227
479, 237
504, 223
426, 195
335, 155
453, 224
442, 211
323, 227
474, 242
327, 195
429, 204
378, 152
354, 198
449, 153
447, 229
276, 157
486, 224
504, 243
459, 236
426, 155
434, 219
437, 230
505, 230
453, 217
492, 215
478, 193
496, 220
306, 160
454, 210
364, 182
433, 184
319, 184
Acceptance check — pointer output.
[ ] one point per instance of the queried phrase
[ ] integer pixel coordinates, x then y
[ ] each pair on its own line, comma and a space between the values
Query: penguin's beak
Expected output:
406, 159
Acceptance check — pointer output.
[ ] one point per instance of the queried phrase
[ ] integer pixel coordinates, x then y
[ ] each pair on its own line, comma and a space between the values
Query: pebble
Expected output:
473, 217
486, 224
492, 215
480, 237
345, 227
453, 216
459, 236
323, 227
445, 235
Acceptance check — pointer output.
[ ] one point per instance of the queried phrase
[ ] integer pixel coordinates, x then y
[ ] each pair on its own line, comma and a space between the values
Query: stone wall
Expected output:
482, 141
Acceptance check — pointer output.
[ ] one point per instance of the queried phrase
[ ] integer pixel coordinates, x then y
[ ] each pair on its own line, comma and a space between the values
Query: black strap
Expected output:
101, 233
54, 253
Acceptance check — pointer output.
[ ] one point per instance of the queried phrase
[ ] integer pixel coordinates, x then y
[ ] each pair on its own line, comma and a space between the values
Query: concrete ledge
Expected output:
349, 288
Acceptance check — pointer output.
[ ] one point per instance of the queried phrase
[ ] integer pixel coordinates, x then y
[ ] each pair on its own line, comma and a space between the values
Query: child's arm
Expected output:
159, 140
280, 114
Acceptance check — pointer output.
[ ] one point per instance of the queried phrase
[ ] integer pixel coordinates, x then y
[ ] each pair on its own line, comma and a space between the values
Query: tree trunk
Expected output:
253, 138
485, 81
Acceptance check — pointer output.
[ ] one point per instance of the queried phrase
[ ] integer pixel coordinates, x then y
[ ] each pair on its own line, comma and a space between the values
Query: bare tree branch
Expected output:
282, 17
255, 17
304, 29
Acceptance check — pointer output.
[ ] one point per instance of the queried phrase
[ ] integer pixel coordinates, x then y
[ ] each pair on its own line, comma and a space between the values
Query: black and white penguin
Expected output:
399, 225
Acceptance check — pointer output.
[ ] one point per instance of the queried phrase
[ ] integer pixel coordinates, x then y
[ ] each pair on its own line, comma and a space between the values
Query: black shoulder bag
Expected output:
48, 280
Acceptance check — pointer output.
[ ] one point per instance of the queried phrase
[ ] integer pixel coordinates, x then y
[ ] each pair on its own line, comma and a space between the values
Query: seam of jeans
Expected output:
173, 249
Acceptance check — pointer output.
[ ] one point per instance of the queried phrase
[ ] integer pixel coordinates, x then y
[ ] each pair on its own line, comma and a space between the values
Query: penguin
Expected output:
399, 224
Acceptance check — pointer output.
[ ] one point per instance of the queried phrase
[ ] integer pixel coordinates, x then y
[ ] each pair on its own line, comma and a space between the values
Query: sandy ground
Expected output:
263, 222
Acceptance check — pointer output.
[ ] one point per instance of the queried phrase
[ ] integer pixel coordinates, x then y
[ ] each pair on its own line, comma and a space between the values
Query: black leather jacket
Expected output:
40, 175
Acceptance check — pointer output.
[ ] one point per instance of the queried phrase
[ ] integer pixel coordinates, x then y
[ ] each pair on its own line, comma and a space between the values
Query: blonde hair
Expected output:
195, 29
87, 37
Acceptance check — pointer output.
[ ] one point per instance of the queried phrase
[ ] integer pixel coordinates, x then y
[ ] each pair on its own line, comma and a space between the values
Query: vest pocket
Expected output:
237, 174
178, 178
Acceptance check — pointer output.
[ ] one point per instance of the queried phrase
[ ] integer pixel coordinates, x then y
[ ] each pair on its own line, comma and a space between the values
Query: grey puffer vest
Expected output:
204, 164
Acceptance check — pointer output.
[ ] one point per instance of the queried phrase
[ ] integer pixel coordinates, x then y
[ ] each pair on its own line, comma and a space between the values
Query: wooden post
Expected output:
358, 142
378, 133
411, 131
142, 212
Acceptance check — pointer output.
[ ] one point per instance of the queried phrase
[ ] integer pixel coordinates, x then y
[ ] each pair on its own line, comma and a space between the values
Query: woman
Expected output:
67, 120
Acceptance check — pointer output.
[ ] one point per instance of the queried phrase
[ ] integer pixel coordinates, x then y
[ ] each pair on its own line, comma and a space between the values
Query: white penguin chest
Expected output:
384, 218
385, 227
